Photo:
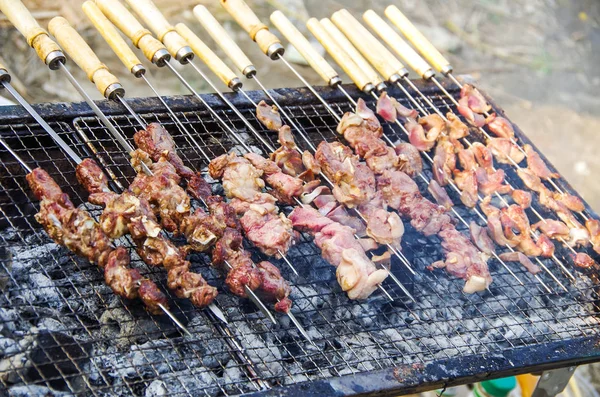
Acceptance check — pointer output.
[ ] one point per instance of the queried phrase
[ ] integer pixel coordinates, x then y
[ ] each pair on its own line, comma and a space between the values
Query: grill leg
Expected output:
553, 382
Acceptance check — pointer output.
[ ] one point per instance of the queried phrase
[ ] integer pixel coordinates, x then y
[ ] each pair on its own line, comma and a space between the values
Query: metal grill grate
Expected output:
63, 329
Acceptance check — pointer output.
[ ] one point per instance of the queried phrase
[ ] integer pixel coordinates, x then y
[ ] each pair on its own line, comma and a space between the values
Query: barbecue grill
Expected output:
64, 330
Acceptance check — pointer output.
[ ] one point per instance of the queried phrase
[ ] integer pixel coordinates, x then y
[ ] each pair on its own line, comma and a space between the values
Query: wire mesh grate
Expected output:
63, 329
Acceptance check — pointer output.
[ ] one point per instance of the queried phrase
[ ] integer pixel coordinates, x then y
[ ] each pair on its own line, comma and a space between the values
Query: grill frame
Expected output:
396, 379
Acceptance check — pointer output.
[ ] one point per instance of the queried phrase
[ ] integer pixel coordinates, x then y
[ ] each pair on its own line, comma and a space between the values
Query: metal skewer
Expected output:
5, 80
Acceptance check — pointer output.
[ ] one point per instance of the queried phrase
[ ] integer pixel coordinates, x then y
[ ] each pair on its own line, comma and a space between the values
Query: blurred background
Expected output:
538, 58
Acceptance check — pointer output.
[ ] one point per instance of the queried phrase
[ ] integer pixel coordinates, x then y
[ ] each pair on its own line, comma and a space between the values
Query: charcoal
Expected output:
57, 353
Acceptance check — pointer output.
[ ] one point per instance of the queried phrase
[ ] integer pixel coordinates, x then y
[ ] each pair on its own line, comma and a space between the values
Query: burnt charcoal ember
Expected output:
55, 356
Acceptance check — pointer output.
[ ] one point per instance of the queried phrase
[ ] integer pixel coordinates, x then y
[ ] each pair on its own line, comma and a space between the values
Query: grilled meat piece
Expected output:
274, 288
190, 285
593, 227
42, 185
409, 159
402, 194
198, 188
522, 259
169, 200
483, 156
552, 228
489, 183
501, 127
417, 134
546, 246
573, 203
473, 118
536, 165
466, 181
90, 176
287, 157
354, 182
532, 181
439, 194
464, 261
269, 116
444, 162
271, 233
390, 109
152, 297
200, 230
370, 120
285, 187
455, 127
157, 142
521, 197
123, 281
74, 228
382, 226
583, 260
355, 273
475, 100
481, 238
125, 213
504, 150
268, 167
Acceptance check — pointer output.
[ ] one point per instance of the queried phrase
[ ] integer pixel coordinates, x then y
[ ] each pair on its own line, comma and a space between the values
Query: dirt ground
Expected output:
537, 58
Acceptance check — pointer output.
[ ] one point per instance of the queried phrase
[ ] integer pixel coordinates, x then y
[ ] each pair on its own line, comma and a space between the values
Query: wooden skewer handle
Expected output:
124, 20
339, 55
258, 31
36, 37
224, 40
207, 55
164, 31
379, 56
76, 47
418, 40
352, 52
316, 61
113, 38
397, 43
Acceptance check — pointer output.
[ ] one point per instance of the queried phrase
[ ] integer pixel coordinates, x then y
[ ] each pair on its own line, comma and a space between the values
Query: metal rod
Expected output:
137, 118
15, 155
41, 121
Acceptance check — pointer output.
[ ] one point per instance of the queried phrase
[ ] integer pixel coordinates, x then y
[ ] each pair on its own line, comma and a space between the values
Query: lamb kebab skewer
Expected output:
345, 17
473, 107
76, 230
